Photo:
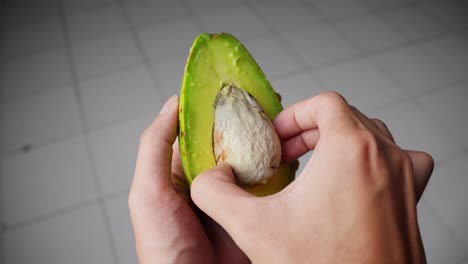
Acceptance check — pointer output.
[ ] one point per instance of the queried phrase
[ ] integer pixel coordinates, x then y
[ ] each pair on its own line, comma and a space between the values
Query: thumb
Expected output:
215, 192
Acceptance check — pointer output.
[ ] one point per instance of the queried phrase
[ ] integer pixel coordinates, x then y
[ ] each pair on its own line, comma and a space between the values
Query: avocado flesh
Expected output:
214, 61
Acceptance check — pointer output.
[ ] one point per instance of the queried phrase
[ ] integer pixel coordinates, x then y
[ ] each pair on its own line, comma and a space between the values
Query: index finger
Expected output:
324, 112
153, 168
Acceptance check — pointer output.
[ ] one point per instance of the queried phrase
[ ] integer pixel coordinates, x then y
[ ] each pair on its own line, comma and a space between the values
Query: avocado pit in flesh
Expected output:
244, 108
244, 137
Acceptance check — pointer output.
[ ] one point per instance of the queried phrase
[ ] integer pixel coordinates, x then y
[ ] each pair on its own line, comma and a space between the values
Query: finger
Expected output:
383, 128
423, 165
326, 111
375, 125
293, 148
215, 192
153, 169
224, 247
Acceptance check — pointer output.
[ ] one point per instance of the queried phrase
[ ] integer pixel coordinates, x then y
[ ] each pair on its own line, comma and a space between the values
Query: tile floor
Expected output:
80, 80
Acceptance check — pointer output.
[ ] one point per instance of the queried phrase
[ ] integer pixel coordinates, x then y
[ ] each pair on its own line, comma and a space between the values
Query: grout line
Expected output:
361, 55
87, 8
276, 35
45, 143
140, 47
88, 145
29, 147
63, 211
86, 130
291, 50
29, 53
437, 217
449, 158
407, 43
192, 14
35, 92
2, 137
110, 71
463, 260
45, 217
378, 10
366, 55
424, 8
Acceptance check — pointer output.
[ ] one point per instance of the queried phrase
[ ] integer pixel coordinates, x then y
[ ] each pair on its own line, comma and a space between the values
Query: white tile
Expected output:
413, 22
361, 84
29, 12
96, 22
387, 4
121, 228
168, 74
370, 33
446, 193
452, 50
240, 22
272, 56
439, 245
287, 15
451, 13
40, 118
105, 54
415, 71
334, 9
204, 7
73, 6
147, 11
28, 38
45, 180
297, 87
119, 96
169, 39
74, 238
414, 129
115, 151
320, 45
449, 108
27, 74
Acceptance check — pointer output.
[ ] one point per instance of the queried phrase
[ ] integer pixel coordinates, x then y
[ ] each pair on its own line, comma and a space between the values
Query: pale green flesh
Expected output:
215, 60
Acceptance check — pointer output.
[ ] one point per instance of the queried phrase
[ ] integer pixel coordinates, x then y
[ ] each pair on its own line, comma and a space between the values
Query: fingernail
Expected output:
169, 105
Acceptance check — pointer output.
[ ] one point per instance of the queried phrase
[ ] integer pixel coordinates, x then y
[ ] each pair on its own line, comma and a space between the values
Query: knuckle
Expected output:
364, 144
198, 186
333, 102
379, 123
404, 158
332, 98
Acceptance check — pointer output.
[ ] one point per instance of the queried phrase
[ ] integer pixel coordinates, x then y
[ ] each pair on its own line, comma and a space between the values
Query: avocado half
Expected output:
216, 60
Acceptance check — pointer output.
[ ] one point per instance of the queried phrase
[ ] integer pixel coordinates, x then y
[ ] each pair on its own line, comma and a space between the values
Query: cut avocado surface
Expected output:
217, 60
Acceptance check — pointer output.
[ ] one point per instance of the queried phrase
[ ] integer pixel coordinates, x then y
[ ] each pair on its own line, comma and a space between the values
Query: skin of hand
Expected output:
355, 201
168, 228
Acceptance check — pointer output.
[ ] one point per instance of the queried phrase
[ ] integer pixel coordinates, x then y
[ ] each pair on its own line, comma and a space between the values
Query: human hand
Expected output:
167, 227
355, 201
